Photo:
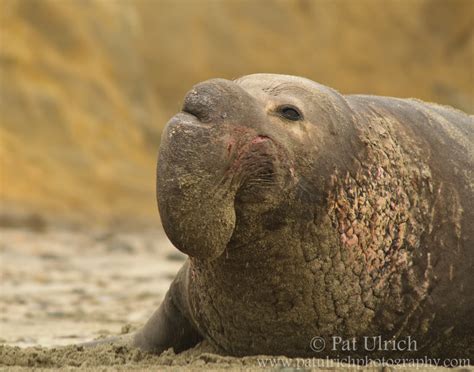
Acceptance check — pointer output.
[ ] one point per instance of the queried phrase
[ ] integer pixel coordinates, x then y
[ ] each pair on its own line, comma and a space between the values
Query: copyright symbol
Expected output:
317, 344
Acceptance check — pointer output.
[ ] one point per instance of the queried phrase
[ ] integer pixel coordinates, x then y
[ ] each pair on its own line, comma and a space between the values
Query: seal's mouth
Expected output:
255, 167
253, 162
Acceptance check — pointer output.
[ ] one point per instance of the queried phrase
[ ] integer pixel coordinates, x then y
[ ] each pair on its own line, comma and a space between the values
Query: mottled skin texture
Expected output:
355, 220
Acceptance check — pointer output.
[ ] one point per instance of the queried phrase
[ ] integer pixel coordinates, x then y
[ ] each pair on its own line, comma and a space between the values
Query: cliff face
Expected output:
86, 86
418, 48
79, 120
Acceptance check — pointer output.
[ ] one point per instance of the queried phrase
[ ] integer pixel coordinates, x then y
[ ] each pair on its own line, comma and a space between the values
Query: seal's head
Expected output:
242, 148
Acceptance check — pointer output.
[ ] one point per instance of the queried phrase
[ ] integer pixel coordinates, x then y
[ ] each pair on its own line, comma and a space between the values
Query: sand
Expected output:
62, 287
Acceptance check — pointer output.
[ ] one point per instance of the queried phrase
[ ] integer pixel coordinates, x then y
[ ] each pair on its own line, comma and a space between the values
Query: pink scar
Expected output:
260, 139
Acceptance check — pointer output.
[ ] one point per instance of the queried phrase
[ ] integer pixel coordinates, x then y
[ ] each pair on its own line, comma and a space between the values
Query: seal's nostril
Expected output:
216, 101
210, 99
200, 102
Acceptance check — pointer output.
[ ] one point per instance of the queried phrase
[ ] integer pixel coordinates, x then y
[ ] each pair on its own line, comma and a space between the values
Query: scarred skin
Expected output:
355, 220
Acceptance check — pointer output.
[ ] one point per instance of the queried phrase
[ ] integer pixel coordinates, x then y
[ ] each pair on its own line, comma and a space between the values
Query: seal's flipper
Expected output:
171, 325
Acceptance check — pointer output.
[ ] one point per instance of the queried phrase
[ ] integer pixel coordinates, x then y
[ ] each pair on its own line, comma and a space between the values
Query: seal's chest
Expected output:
248, 326
264, 311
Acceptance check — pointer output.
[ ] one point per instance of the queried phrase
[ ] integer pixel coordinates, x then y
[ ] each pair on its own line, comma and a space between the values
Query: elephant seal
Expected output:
310, 215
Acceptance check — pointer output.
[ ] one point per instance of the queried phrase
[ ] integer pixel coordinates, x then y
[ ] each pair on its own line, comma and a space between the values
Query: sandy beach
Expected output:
63, 287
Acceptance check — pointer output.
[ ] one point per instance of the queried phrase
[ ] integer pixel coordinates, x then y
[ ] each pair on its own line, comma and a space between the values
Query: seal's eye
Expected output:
290, 112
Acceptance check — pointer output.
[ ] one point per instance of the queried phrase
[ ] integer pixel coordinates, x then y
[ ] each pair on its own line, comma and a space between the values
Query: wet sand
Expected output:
61, 287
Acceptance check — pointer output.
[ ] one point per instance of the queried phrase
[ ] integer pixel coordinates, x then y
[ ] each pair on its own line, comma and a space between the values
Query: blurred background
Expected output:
87, 85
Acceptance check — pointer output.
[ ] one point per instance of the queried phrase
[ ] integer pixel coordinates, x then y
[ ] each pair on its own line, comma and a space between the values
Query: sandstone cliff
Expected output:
86, 86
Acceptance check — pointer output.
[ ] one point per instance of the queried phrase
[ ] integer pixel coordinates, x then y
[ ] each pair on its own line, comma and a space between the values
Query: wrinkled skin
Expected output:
354, 220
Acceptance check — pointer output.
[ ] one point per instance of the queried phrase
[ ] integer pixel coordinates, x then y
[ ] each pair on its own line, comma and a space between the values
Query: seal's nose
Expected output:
204, 99
213, 100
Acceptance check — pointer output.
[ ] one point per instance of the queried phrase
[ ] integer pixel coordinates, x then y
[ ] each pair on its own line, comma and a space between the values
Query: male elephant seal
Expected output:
307, 213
